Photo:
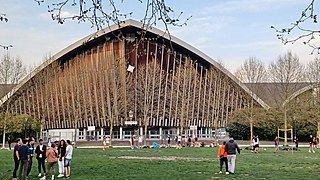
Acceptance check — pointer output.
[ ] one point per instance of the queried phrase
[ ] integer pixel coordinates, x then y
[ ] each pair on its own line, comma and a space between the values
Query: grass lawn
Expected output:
187, 163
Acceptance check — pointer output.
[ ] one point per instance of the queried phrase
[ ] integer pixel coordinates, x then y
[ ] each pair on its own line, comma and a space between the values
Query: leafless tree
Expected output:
306, 33
313, 74
286, 71
252, 71
12, 69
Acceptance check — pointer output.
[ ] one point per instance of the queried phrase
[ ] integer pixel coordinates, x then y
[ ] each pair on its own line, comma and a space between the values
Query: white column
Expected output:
120, 132
178, 131
141, 131
160, 133
85, 134
102, 133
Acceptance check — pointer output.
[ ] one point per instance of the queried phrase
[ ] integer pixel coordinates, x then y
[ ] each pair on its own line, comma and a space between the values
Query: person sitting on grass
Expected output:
222, 155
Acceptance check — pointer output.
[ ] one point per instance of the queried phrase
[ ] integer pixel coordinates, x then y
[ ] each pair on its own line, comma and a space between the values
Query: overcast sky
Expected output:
229, 31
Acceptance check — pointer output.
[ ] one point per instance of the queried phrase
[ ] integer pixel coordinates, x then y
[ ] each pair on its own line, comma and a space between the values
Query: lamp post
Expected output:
25, 128
295, 129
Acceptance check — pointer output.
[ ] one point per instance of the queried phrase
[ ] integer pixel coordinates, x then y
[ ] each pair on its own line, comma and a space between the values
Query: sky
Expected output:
229, 31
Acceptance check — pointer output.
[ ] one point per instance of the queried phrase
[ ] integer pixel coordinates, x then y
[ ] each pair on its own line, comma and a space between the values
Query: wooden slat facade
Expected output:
167, 88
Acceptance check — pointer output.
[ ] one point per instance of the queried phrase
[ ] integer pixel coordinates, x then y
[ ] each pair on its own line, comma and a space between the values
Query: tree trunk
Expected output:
4, 137
145, 133
75, 137
285, 127
215, 133
111, 128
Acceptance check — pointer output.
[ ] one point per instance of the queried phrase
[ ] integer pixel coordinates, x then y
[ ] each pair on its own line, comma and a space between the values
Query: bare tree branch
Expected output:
100, 13
307, 33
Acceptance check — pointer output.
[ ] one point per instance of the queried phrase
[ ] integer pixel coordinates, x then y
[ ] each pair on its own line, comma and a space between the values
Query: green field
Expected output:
187, 163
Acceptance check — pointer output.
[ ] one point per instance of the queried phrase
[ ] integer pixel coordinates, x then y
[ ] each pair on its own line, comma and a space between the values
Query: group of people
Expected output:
227, 155
59, 153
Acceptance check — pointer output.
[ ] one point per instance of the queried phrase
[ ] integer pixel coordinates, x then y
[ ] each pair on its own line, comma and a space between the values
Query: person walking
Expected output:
16, 158
41, 150
52, 156
169, 139
231, 147
9, 143
31, 149
24, 156
67, 159
61, 152
222, 155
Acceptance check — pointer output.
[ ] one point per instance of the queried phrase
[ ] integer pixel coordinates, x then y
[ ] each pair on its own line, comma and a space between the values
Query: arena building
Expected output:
127, 80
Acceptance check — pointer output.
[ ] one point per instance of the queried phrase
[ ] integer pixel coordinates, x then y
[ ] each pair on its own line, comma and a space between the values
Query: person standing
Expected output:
222, 155
311, 144
61, 152
132, 142
9, 143
296, 142
67, 159
24, 156
276, 144
140, 141
168, 145
179, 141
231, 147
189, 141
31, 149
41, 150
315, 142
16, 158
104, 141
52, 155
256, 144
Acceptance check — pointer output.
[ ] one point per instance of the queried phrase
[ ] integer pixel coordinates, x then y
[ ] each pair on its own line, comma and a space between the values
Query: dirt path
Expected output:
164, 158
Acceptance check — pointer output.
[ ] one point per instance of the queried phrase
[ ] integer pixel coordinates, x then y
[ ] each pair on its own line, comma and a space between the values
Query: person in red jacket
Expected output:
52, 155
222, 155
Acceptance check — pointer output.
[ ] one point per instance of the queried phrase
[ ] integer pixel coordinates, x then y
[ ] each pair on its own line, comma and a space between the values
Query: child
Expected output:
222, 155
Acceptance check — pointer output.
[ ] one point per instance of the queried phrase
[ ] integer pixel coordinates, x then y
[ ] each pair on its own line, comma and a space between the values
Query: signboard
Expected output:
193, 128
131, 122
91, 128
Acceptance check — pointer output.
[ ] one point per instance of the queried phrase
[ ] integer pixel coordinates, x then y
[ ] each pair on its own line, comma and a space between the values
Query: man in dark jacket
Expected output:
24, 156
230, 148
16, 158
41, 151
